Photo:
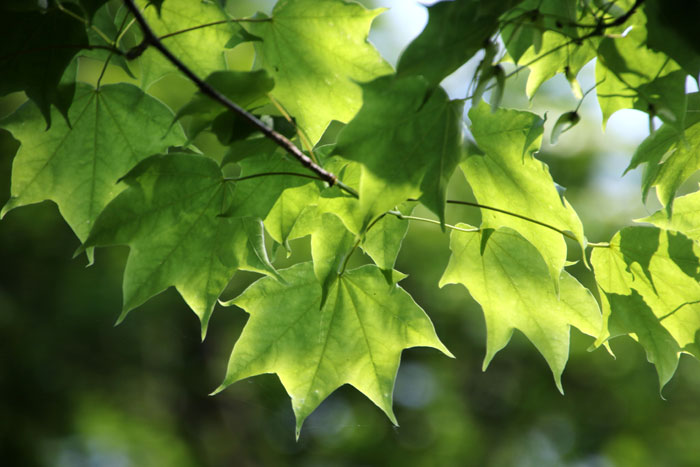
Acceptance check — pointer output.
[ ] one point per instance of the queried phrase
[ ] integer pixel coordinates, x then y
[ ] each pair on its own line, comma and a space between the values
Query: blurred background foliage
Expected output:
77, 391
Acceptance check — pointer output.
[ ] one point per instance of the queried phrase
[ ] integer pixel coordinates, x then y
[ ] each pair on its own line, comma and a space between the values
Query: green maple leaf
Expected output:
317, 53
201, 50
557, 55
673, 31
509, 177
282, 218
454, 33
670, 157
356, 338
649, 277
510, 280
255, 197
382, 241
77, 167
408, 141
245, 88
632, 76
170, 218
685, 219
35, 50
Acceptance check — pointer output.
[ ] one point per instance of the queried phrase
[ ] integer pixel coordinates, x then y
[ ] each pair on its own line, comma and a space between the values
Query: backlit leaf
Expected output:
510, 280
170, 219
649, 277
631, 76
113, 128
317, 52
356, 338
509, 177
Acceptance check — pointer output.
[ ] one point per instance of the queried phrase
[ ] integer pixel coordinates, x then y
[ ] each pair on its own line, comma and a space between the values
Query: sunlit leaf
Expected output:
509, 177
631, 76
670, 157
356, 338
510, 280
649, 277
317, 53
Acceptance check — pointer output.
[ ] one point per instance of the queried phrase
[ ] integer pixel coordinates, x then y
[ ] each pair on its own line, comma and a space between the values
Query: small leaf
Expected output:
356, 338
565, 122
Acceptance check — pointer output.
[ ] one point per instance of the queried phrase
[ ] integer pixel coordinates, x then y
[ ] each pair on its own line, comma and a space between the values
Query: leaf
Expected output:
685, 219
670, 157
35, 50
245, 88
317, 52
113, 128
565, 122
673, 31
650, 278
104, 20
510, 280
356, 338
288, 208
201, 50
255, 196
382, 241
522, 27
509, 177
456, 30
170, 219
408, 142
631, 76
331, 243
557, 55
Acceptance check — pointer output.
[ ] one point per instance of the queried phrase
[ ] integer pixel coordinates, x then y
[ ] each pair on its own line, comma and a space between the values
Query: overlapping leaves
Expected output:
191, 222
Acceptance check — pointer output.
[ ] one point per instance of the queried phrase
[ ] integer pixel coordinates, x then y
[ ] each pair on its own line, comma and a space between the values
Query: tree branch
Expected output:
150, 39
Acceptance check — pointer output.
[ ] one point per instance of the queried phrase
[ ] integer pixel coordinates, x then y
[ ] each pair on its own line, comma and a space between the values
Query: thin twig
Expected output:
508, 213
248, 177
205, 88
216, 23
430, 221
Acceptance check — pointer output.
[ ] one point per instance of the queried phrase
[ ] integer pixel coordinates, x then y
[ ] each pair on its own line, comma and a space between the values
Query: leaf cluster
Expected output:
324, 139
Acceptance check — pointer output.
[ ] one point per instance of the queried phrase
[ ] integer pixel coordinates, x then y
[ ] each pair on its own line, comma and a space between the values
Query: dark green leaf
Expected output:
170, 218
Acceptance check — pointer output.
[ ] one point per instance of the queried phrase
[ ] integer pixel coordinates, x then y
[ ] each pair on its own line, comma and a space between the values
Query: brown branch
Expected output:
150, 39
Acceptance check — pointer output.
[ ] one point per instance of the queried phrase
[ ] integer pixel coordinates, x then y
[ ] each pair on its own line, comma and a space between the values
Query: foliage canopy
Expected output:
326, 140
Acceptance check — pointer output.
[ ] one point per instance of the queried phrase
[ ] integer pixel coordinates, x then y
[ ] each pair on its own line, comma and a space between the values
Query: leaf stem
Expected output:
216, 23
248, 177
430, 221
97, 30
509, 213
151, 39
